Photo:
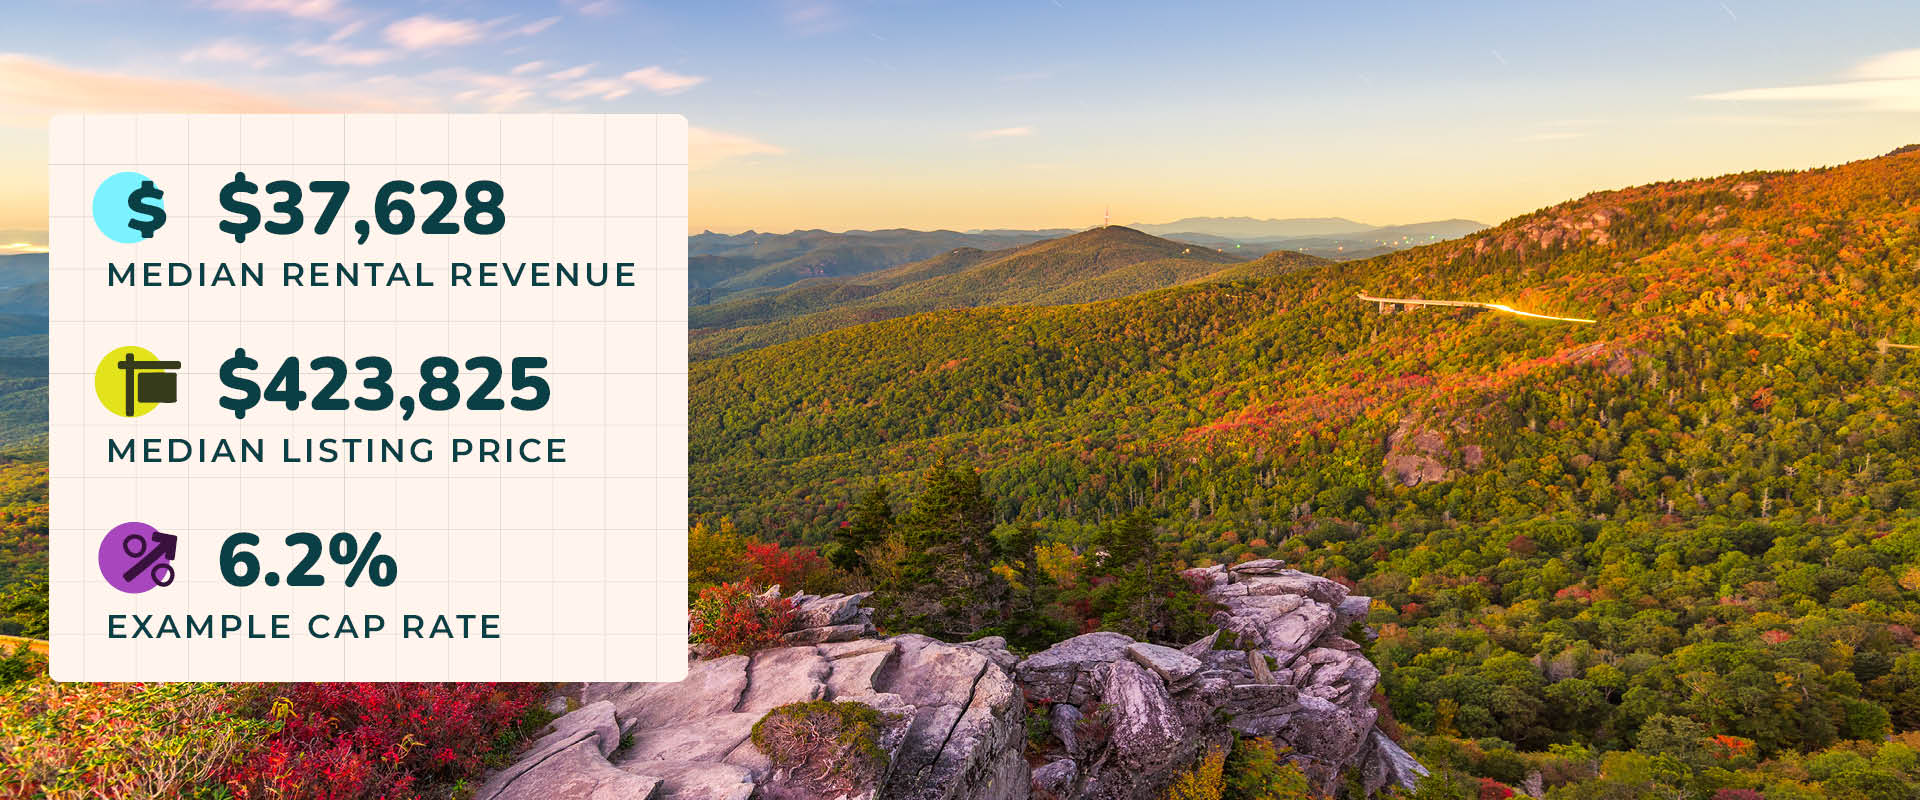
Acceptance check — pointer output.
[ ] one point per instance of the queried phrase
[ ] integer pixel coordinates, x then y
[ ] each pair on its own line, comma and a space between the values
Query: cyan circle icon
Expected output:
114, 207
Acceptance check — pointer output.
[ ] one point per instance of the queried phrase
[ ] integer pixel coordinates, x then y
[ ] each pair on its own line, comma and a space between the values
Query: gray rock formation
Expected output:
1124, 716
1134, 713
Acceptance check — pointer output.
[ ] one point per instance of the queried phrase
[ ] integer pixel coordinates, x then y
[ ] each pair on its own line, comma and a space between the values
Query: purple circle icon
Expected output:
136, 557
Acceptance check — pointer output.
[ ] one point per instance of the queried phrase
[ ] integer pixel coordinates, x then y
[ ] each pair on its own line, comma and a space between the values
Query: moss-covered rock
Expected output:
823, 748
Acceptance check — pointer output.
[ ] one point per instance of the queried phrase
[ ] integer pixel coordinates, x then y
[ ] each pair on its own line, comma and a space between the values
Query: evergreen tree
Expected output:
1140, 593
868, 525
948, 587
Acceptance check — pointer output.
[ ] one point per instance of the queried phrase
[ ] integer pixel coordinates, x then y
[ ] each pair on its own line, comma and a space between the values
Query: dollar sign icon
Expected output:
249, 391
122, 197
249, 216
146, 200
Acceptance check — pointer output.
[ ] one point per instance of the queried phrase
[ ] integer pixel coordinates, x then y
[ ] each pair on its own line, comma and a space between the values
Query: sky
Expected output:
839, 114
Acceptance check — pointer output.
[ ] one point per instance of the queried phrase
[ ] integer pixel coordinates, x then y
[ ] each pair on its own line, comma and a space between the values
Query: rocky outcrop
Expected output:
1120, 717
1126, 715
1419, 453
956, 723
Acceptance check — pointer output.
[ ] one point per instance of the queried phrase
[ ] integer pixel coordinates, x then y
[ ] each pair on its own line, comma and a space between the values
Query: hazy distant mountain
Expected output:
23, 355
726, 267
24, 269
724, 264
1444, 229
1097, 264
1250, 229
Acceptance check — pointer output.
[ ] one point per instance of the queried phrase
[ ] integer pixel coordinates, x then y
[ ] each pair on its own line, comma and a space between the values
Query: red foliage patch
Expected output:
789, 568
731, 618
379, 740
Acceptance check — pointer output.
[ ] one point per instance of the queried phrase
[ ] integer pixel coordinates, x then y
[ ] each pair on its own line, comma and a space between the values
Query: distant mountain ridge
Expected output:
23, 355
733, 266
1097, 264
723, 264
1249, 228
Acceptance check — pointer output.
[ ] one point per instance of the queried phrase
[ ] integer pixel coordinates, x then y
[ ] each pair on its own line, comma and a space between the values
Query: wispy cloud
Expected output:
528, 68
533, 27
1889, 82
428, 32
1002, 133
661, 80
33, 87
495, 99
593, 8
340, 55
602, 88
228, 51
572, 73
706, 147
347, 30
305, 9
811, 17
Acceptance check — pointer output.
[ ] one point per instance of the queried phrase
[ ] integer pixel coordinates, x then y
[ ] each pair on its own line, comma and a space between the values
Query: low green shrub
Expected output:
826, 749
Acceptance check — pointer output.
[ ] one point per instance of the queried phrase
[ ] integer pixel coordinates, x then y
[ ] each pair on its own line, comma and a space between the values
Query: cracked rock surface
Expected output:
1123, 716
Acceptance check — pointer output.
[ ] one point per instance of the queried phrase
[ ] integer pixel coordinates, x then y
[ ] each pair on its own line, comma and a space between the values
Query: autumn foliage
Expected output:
379, 741
292, 741
731, 618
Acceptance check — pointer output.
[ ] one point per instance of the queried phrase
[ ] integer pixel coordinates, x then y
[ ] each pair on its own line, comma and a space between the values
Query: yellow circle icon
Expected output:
132, 381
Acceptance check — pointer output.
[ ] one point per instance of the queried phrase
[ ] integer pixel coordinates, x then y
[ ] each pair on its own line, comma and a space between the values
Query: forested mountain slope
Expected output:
1098, 264
1698, 505
745, 263
1724, 305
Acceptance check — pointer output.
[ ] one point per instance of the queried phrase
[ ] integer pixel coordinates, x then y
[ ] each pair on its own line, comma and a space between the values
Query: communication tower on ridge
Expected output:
1106, 217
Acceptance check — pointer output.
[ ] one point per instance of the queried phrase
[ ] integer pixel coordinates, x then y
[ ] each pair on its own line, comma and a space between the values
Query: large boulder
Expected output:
1127, 714
571, 764
1065, 671
953, 717
967, 725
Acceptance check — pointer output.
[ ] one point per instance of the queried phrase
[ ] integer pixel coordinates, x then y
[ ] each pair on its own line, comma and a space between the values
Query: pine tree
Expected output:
1145, 598
872, 518
948, 587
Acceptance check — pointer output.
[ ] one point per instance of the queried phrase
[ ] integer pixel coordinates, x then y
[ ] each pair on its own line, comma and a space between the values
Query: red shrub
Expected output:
732, 619
1738, 794
380, 741
1491, 789
1730, 747
787, 568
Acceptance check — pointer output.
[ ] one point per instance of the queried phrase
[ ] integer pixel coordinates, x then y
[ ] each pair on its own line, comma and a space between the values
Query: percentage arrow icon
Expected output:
165, 545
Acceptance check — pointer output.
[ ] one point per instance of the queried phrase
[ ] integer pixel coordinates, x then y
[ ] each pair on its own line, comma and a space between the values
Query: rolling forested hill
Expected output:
1700, 505
1098, 264
1706, 292
23, 356
745, 263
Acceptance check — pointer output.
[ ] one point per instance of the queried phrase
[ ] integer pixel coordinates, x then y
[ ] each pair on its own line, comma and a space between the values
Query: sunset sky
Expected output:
838, 115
